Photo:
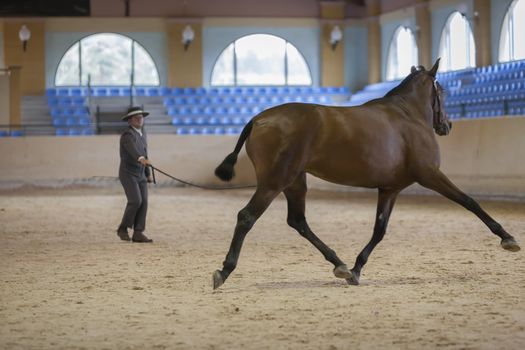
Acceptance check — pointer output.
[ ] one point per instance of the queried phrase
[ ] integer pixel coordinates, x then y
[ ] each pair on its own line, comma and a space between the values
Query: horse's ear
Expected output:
413, 69
434, 69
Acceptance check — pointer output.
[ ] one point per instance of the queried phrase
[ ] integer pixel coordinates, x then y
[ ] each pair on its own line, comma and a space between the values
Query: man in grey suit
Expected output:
134, 174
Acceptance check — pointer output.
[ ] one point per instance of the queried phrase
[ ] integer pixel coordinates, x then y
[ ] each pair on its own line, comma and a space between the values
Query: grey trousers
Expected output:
137, 194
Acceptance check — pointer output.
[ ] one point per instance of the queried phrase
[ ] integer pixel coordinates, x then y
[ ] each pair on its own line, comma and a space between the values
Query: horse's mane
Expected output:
405, 82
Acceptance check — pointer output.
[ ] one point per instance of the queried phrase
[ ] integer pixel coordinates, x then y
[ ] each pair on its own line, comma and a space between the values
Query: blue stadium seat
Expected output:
51, 92
226, 121
219, 131
177, 91
232, 130
71, 121
196, 110
87, 131
188, 91
62, 132
84, 121
238, 121
55, 112
62, 92
205, 100
264, 100
244, 110
177, 121
200, 120
275, 100
182, 131
79, 101
76, 92
16, 133
114, 92
152, 91
208, 110
100, 91
59, 121
191, 100
75, 131
233, 110
200, 91
207, 131
214, 121
220, 110
179, 100
255, 110
216, 100
80, 112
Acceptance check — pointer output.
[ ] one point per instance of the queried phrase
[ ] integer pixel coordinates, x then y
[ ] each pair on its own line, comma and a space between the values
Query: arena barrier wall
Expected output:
482, 156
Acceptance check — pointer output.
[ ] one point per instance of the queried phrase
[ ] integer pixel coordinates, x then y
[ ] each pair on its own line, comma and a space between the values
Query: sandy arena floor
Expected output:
439, 280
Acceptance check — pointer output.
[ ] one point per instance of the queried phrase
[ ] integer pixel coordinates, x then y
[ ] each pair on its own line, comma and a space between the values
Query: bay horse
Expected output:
387, 143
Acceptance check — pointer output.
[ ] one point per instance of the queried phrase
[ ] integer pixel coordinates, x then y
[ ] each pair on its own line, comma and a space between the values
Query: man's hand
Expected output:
150, 179
144, 161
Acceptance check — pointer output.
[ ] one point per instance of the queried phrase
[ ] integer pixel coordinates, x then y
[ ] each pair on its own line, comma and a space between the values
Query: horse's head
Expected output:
440, 121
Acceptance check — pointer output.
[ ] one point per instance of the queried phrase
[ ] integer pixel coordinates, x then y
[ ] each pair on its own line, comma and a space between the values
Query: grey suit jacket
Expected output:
132, 146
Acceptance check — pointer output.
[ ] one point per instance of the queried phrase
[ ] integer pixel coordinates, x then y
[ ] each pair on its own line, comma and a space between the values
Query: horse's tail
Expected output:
225, 170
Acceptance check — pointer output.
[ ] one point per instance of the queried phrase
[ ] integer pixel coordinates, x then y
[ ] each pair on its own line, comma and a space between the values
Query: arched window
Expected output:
261, 59
108, 60
456, 48
512, 45
402, 54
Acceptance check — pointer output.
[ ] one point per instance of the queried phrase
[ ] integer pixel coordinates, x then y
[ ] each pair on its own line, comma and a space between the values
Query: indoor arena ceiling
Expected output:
184, 8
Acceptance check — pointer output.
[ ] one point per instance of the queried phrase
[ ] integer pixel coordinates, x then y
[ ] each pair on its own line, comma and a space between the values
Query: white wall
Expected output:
483, 156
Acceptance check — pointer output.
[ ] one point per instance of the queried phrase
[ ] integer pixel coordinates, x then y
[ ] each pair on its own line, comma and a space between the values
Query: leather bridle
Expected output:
438, 115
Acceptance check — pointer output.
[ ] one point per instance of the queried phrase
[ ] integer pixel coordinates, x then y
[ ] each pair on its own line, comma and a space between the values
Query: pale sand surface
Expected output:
439, 279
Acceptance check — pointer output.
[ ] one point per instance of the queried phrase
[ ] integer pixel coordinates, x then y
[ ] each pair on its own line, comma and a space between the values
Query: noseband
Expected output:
438, 115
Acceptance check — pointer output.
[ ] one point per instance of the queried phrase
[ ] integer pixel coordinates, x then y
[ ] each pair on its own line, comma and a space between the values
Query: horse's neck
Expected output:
418, 105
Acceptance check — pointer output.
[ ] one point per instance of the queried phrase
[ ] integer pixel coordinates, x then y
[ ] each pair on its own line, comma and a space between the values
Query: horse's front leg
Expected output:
437, 181
385, 203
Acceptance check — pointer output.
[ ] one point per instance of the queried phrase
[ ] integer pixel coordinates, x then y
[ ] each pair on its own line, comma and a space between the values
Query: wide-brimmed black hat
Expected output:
134, 111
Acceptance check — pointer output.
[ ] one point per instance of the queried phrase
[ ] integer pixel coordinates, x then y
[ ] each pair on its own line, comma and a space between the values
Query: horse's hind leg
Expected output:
295, 195
245, 220
438, 182
385, 203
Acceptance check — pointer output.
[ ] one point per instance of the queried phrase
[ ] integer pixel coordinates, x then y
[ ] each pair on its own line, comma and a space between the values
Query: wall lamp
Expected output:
335, 36
24, 34
187, 36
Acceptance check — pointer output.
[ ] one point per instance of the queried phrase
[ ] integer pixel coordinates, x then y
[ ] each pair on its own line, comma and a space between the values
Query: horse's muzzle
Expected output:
444, 129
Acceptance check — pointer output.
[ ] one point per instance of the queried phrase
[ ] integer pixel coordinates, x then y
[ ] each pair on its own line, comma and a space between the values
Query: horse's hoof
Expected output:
510, 244
354, 279
342, 271
351, 277
217, 279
